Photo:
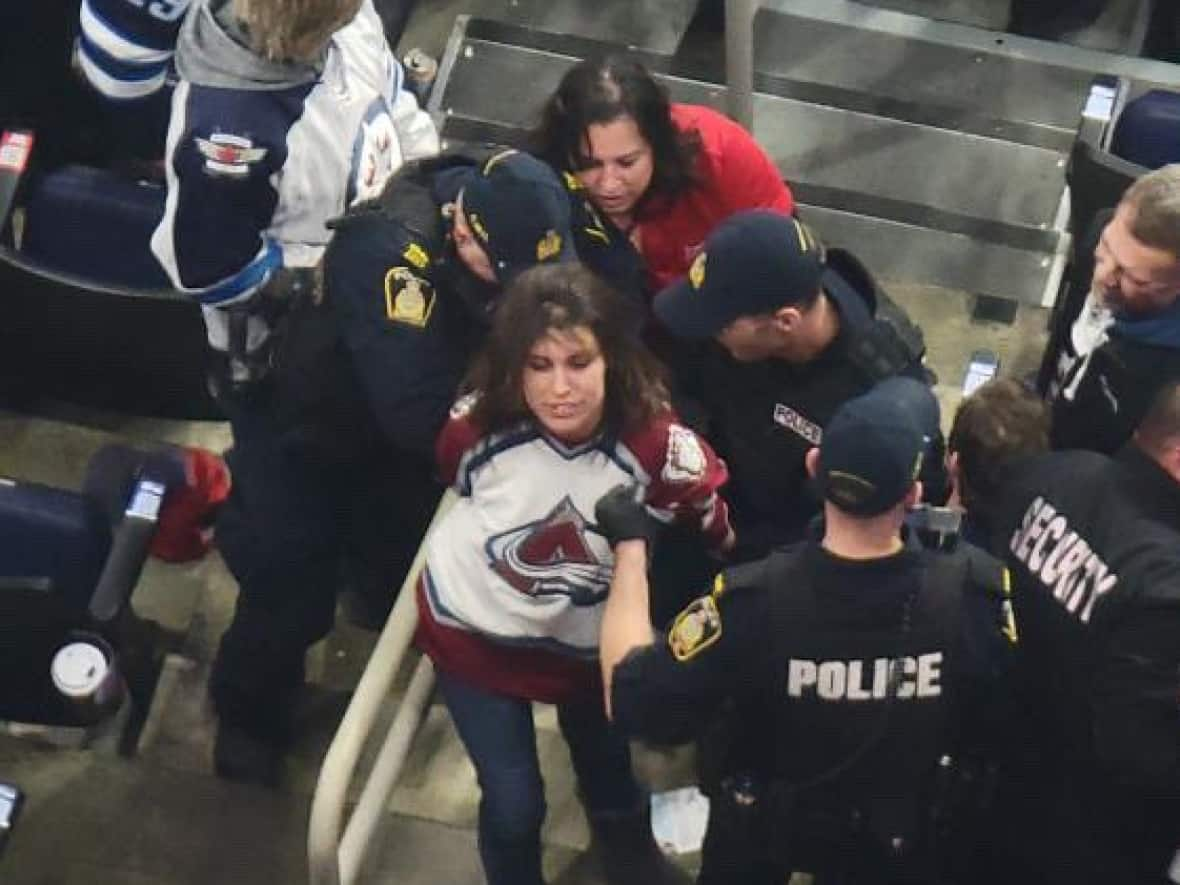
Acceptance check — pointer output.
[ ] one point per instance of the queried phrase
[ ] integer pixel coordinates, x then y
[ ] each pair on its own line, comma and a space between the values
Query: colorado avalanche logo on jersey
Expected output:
551, 557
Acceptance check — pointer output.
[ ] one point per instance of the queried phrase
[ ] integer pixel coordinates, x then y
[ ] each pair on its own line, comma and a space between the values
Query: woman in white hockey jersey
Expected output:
566, 404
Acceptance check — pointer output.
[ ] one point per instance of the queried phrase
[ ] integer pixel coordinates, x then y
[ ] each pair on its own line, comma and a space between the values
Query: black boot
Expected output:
628, 852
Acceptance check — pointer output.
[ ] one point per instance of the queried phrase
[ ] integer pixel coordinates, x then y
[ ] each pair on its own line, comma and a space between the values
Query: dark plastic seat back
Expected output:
55, 534
1148, 130
96, 224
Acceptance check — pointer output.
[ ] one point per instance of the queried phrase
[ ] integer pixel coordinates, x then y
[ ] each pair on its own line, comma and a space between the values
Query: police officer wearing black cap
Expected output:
797, 329
414, 276
333, 477
848, 657
1095, 562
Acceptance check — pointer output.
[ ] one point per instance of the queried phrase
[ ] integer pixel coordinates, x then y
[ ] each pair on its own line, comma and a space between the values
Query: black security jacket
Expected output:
1099, 654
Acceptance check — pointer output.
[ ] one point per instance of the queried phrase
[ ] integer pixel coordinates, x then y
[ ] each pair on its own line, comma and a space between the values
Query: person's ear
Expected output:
811, 461
787, 318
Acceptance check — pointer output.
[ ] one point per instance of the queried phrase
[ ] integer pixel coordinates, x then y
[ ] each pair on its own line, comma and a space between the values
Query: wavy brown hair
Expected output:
563, 297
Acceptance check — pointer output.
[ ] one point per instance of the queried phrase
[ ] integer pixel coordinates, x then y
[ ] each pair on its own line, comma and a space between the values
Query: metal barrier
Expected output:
335, 852
739, 60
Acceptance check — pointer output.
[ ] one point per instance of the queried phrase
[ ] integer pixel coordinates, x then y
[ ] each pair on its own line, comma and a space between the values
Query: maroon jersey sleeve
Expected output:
456, 438
685, 475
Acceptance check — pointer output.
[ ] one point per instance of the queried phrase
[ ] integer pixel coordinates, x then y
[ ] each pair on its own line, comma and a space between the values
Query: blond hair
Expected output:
293, 30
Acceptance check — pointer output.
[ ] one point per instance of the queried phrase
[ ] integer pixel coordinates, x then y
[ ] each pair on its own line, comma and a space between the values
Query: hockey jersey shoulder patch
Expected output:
228, 155
684, 459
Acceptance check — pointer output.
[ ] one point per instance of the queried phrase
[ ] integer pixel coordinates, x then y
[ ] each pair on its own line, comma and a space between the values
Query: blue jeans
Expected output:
498, 733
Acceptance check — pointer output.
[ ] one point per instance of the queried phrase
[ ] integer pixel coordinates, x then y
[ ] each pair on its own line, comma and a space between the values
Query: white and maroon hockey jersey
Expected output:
517, 572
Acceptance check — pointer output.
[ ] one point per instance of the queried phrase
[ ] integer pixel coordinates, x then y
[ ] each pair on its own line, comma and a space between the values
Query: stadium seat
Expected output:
68, 564
96, 224
1147, 132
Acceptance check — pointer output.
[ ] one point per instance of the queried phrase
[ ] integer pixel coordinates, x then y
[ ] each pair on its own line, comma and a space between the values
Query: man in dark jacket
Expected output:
797, 330
1094, 791
1125, 341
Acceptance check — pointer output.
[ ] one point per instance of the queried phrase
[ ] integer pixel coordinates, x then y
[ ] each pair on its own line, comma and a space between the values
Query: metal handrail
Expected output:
334, 851
739, 60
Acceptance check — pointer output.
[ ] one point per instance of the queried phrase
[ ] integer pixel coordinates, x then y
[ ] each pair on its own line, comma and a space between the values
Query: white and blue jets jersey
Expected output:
125, 47
260, 155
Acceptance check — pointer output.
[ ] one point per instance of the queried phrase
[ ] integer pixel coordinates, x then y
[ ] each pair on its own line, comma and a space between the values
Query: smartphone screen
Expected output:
980, 369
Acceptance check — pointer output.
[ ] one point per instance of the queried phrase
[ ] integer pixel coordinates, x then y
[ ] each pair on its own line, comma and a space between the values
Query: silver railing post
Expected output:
739, 59
335, 853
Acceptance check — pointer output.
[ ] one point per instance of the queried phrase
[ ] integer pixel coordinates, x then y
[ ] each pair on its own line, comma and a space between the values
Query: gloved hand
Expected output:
622, 517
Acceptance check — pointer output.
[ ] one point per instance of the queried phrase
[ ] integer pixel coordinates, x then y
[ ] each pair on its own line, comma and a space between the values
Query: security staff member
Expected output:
849, 654
1096, 589
336, 488
798, 330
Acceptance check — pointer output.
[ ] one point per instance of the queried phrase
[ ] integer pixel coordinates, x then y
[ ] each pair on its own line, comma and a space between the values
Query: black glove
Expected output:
621, 517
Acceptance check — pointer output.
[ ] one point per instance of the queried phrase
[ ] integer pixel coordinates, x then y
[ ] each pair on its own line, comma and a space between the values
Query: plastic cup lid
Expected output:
78, 669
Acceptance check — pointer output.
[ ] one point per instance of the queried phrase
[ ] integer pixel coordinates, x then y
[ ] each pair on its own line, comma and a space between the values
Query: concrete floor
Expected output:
161, 818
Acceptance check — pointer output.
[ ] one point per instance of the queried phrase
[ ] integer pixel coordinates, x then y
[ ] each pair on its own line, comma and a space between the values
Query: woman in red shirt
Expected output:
663, 174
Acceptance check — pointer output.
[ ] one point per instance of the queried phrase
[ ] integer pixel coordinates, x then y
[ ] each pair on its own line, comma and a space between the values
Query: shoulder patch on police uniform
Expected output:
1007, 613
417, 256
409, 299
696, 272
549, 246
685, 459
695, 629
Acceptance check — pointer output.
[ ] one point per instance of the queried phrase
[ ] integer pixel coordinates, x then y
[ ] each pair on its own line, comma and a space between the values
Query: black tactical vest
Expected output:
863, 715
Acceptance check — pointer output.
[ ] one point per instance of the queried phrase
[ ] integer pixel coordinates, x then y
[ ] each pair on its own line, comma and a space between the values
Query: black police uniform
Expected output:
838, 761
764, 416
1097, 398
1096, 588
321, 500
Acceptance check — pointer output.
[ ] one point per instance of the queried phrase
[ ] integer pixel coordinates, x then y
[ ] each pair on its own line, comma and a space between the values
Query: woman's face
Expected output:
564, 383
620, 168
467, 247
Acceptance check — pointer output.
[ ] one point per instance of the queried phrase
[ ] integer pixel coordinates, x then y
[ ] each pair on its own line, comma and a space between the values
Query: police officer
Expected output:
253, 176
1096, 588
848, 657
337, 488
798, 329
414, 276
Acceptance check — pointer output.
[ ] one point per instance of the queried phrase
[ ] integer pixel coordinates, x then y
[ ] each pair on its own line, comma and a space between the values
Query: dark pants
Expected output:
498, 733
735, 848
302, 515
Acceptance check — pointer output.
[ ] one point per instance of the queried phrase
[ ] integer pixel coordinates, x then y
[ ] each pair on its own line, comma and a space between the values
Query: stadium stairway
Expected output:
944, 176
